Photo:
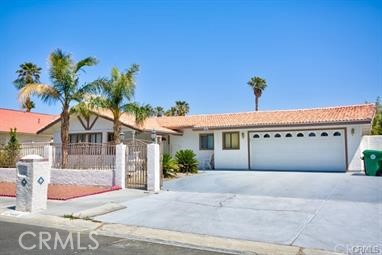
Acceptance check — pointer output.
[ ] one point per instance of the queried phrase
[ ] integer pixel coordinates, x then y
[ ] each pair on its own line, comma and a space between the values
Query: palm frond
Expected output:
43, 91
140, 112
61, 71
83, 108
94, 87
89, 61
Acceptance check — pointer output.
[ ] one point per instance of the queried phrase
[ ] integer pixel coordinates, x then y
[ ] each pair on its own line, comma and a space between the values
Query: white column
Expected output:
31, 185
48, 154
153, 167
120, 166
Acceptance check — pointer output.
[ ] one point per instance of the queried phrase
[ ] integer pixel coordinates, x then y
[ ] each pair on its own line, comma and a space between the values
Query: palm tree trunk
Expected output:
116, 130
64, 136
256, 103
28, 104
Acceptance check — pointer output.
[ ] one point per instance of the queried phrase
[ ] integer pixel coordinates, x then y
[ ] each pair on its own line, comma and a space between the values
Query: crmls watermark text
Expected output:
54, 241
359, 249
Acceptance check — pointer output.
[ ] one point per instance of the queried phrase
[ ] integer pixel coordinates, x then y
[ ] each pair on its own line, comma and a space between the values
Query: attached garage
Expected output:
300, 150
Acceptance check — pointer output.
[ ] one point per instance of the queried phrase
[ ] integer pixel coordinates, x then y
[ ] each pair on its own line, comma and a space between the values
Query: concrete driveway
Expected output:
332, 211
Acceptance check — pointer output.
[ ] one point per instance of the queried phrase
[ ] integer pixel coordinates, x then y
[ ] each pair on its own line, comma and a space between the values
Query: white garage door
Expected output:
312, 150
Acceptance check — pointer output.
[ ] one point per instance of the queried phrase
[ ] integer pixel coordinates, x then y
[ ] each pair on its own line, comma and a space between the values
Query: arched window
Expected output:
300, 135
256, 136
324, 134
312, 134
288, 135
277, 135
337, 134
267, 136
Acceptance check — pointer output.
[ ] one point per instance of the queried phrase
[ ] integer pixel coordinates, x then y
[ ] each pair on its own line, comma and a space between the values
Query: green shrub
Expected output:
169, 165
10, 153
187, 161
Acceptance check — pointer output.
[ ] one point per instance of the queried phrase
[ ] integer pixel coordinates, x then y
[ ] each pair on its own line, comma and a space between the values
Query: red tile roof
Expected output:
363, 113
24, 122
328, 115
129, 120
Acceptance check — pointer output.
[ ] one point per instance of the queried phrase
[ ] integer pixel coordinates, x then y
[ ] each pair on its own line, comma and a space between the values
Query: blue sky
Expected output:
312, 53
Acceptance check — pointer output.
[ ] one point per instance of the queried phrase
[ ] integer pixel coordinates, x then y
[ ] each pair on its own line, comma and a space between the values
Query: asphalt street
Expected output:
79, 243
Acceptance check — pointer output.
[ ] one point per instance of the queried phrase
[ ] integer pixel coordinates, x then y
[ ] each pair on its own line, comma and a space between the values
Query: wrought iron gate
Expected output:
136, 164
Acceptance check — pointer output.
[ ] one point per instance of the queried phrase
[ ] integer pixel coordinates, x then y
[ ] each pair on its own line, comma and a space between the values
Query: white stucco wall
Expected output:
238, 159
84, 177
368, 142
25, 138
231, 159
68, 176
7, 174
190, 140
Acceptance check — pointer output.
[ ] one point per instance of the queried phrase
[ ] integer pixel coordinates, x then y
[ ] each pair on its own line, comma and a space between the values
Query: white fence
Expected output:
96, 164
98, 156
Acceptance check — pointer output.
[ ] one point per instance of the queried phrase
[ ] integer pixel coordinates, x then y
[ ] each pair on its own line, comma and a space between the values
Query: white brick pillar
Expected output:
153, 167
120, 166
48, 154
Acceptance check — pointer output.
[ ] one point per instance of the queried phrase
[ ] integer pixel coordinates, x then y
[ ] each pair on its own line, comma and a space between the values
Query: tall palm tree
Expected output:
26, 74
116, 94
182, 108
65, 88
171, 112
258, 85
159, 111
140, 112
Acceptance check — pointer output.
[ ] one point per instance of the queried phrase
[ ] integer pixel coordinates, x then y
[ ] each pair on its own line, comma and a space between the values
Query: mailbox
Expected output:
32, 178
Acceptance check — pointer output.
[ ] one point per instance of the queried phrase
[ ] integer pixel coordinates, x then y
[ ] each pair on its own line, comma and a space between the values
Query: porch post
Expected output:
120, 165
48, 154
153, 167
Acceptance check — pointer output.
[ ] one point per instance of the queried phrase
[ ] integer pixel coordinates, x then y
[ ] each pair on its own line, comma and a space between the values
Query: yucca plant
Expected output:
187, 161
170, 166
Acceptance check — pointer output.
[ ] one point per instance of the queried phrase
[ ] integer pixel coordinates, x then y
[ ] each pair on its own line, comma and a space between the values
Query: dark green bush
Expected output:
187, 161
169, 165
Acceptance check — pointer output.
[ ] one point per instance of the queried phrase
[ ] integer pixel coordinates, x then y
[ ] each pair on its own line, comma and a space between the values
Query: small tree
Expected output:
377, 122
13, 147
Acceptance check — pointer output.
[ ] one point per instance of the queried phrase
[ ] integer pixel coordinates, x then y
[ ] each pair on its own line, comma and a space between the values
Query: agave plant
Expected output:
169, 165
187, 161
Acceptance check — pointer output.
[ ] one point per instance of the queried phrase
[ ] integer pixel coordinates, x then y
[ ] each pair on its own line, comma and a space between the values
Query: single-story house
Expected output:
26, 123
317, 139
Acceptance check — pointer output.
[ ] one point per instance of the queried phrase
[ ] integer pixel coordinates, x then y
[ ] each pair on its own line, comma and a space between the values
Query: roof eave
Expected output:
368, 121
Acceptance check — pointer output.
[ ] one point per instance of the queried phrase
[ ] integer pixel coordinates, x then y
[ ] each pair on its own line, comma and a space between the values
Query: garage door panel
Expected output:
322, 153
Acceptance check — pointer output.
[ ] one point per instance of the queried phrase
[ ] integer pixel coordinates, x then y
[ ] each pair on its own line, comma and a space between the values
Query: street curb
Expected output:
205, 241
197, 241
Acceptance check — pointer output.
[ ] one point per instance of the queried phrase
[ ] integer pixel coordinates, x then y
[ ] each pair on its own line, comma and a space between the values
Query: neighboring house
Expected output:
26, 123
318, 139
